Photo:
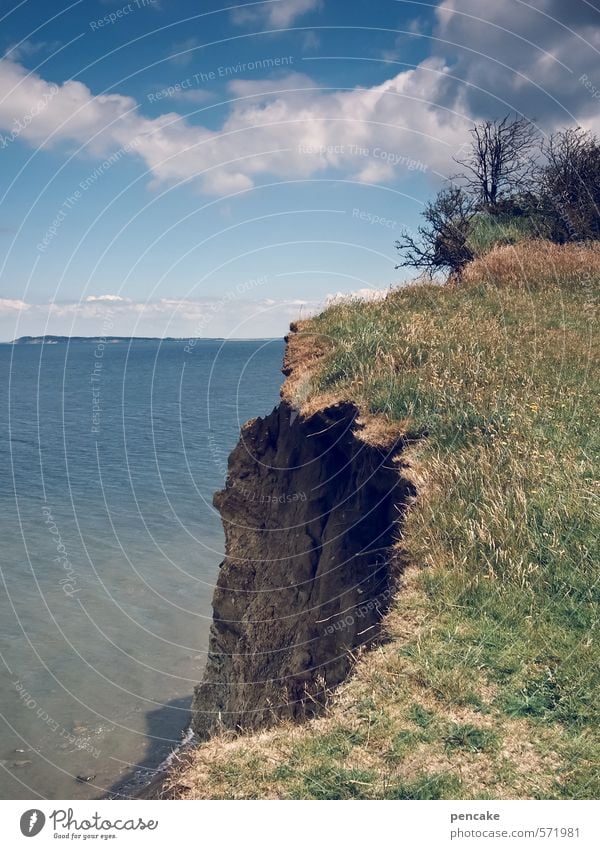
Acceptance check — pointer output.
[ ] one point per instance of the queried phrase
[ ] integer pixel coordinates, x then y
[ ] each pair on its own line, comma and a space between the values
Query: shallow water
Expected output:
109, 457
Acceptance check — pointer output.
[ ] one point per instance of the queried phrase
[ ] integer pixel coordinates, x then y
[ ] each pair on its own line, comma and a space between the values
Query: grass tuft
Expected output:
470, 738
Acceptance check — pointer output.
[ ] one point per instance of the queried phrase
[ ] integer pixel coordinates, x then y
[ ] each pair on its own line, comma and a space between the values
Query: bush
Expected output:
442, 243
510, 192
570, 186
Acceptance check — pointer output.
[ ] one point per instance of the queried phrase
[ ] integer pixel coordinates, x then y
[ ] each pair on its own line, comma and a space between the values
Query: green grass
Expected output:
470, 738
430, 787
502, 384
488, 231
327, 782
420, 716
492, 667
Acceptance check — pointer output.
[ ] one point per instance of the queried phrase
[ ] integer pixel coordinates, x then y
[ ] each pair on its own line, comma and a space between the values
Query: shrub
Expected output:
442, 243
511, 190
570, 185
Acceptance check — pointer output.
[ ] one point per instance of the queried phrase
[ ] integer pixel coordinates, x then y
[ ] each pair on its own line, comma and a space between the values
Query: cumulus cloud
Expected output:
528, 57
288, 128
276, 13
487, 59
44, 113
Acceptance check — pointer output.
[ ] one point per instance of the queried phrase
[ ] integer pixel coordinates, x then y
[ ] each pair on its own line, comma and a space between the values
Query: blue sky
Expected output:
176, 168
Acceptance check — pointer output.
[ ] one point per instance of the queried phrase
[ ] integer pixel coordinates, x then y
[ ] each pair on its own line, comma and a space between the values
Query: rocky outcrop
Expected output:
310, 512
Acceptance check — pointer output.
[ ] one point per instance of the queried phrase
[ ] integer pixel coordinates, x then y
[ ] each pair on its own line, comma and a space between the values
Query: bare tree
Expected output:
440, 244
569, 181
499, 163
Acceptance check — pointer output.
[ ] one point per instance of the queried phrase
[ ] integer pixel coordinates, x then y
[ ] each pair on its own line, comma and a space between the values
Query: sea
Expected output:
110, 453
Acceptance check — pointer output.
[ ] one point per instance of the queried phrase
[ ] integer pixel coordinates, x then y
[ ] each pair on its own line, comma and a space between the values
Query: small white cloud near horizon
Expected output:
115, 315
116, 298
103, 315
358, 295
11, 306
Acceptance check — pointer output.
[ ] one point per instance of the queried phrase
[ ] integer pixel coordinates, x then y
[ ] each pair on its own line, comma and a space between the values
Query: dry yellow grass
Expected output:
487, 685
537, 264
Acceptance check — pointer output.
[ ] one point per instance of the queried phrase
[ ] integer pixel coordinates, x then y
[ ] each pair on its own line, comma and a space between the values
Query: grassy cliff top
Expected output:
487, 686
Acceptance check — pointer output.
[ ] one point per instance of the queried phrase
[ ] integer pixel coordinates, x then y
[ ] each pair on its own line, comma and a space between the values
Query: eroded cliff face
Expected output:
310, 512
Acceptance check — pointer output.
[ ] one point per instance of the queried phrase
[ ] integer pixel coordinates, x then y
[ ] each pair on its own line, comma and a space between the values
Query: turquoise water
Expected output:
109, 456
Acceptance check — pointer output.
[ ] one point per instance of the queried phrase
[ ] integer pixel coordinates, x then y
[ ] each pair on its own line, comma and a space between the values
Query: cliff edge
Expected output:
310, 510
484, 684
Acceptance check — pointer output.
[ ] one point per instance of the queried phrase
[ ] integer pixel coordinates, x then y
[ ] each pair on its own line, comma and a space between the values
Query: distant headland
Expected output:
55, 340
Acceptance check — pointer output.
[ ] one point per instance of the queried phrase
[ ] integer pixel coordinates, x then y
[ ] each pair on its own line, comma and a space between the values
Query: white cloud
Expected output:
277, 13
113, 298
272, 130
10, 306
98, 315
375, 172
182, 53
27, 48
287, 84
195, 95
44, 113
357, 295
291, 128
507, 55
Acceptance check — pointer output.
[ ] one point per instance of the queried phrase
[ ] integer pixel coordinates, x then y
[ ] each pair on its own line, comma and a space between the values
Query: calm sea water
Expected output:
110, 546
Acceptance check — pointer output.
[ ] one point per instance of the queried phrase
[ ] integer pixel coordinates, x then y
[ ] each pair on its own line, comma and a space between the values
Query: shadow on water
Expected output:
165, 728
